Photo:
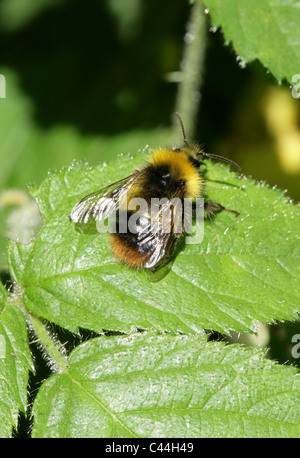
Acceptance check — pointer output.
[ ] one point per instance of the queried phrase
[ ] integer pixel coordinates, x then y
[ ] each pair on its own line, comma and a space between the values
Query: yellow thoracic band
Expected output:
181, 168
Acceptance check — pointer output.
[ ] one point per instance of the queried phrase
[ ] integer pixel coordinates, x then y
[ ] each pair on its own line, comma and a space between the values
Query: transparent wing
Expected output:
102, 203
165, 226
162, 246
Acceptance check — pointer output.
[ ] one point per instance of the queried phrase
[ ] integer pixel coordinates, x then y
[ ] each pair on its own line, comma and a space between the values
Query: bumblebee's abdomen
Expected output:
130, 243
127, 251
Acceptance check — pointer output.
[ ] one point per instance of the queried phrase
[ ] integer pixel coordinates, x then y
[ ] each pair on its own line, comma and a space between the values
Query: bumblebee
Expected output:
167, 174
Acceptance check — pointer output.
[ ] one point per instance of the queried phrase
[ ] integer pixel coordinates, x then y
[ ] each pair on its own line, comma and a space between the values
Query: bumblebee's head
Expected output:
194, 153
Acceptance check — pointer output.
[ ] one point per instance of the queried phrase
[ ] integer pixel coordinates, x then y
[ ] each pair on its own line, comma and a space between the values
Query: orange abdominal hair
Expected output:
127, 253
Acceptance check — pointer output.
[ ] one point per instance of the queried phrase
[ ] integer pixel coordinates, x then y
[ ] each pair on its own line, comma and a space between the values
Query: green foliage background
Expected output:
90, 83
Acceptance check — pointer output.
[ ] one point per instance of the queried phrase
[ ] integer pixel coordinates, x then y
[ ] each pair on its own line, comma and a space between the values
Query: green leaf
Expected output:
14, 15
29, 155
267, 30
15, 362
246, 269
3, 253
152, 385
3, 296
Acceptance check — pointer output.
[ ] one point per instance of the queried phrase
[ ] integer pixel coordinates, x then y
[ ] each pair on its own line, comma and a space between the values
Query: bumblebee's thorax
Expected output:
160, 180
170, 170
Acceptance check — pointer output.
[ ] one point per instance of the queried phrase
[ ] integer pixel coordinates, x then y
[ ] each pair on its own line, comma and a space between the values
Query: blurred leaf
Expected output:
16, 13
164, 386
246, 269
267, 30
3, 253
3, 296
128, 16
20, 220
27, 152
15, 362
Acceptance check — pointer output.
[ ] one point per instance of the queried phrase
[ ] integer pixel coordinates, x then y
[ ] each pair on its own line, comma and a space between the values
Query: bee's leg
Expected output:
211, 208
167, 255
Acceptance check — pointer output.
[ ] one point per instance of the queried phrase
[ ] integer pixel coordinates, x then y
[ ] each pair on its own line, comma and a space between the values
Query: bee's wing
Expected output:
165, 228
102, 203
160, 248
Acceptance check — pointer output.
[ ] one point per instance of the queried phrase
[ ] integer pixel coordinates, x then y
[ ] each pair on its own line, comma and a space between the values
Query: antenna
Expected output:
205, 155
182, 128
220, 158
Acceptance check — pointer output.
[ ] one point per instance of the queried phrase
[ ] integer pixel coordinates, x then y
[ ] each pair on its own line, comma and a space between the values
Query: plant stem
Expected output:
188, 96
56, 359
52, 349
